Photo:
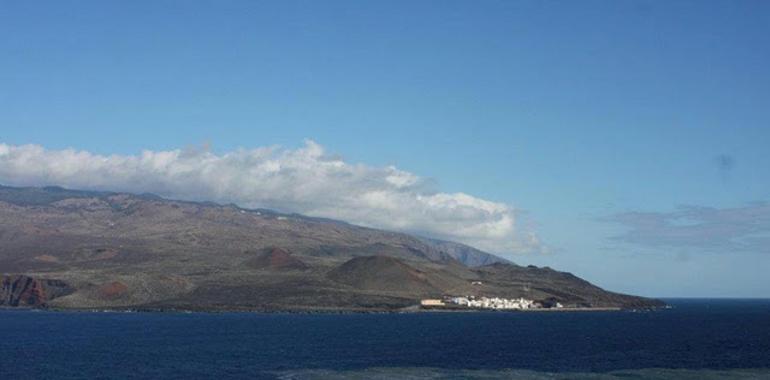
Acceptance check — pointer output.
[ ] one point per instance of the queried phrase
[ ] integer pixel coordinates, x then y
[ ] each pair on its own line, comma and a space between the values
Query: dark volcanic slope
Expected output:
276, 259
384, 274
99, 249
515, 281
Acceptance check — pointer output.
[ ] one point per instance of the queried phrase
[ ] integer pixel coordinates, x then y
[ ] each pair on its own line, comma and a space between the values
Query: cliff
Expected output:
20, 290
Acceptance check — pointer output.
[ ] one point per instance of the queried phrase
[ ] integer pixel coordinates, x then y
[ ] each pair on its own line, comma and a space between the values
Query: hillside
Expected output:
383, 274
75, 249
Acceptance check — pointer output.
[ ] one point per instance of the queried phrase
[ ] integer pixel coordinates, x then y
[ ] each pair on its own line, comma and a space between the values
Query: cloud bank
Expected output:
305, 180
725, 230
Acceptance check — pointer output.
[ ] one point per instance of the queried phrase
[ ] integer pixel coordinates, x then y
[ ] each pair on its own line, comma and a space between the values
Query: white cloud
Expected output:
305, 180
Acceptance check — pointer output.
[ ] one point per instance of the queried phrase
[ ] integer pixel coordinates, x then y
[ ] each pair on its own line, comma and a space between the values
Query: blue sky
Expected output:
589, 118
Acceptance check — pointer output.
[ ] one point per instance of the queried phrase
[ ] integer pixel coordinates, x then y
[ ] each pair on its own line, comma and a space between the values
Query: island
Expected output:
75, 250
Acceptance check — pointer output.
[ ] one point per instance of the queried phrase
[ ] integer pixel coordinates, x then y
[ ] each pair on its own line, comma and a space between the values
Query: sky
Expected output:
624, 141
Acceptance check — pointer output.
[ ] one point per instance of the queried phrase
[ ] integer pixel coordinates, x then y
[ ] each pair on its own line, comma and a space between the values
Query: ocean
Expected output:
695, 339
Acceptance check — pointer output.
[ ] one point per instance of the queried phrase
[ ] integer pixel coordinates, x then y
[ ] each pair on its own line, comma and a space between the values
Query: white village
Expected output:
494, 303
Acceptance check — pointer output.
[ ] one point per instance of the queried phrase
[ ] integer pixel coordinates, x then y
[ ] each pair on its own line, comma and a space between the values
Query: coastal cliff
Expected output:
20, 290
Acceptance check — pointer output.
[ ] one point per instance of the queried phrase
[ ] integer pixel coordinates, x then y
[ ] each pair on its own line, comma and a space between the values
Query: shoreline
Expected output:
408, 310
540, 310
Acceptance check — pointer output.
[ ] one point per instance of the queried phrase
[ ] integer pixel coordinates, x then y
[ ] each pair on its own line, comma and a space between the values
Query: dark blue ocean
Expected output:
695, 339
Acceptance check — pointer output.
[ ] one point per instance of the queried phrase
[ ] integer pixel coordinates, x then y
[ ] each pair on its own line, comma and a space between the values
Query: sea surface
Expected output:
695, 339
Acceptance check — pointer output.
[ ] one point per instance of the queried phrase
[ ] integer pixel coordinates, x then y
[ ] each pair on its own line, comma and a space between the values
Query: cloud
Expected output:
305, 180
741, 229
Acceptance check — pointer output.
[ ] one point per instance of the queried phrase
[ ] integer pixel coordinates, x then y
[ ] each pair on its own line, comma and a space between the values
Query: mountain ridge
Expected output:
40, 196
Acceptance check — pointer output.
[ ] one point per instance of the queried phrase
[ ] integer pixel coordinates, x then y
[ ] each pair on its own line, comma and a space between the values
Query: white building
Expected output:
432, 302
